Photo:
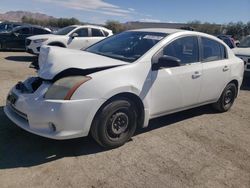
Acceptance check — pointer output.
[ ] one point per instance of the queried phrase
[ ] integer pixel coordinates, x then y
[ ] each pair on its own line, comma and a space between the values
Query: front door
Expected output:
81, 41
177, 87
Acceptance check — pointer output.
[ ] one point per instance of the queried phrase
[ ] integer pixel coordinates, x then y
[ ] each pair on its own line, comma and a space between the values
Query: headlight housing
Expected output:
64, 88
40, 40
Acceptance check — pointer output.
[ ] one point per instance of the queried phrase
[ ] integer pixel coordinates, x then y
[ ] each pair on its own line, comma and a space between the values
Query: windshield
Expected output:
65, 30
245, 43
127, 46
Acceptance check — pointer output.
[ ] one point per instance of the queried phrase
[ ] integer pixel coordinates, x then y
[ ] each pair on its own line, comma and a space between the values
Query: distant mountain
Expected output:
17, 16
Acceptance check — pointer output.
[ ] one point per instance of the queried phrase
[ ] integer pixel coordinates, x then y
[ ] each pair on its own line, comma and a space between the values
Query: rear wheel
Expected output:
226, 99
115, 123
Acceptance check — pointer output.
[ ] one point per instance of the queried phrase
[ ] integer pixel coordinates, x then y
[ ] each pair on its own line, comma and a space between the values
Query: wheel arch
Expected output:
134, 98
236, 82
57, 43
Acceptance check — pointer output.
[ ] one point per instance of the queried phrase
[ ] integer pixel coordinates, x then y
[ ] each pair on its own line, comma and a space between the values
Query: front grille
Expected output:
246, 60
27, 42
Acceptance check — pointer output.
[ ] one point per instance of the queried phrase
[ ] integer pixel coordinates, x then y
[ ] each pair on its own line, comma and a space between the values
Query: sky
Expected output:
99, 11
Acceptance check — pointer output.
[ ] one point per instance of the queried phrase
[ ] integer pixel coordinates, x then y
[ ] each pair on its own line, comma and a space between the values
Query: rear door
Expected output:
216, 69
96, 36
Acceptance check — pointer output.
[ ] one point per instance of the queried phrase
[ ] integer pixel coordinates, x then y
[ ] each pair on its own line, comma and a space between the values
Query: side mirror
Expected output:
166, 62
74, 35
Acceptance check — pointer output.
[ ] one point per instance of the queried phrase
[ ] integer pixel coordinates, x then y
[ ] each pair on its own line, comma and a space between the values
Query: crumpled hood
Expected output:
53, 60
242, 51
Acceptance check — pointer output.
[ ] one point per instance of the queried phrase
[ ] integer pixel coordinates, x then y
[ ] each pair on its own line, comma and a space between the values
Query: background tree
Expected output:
115, 26
55, 22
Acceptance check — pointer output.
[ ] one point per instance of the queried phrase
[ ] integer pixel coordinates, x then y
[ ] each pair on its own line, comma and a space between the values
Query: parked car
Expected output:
243, 52
122, 82
6, 27
229, 40
74, 37
16, 38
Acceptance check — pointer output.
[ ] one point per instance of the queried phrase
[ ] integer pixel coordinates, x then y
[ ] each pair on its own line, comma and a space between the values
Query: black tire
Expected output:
115, 123
227, 98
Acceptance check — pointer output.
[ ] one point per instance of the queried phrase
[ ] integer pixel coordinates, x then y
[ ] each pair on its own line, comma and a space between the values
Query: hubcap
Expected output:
228, 97
119, 122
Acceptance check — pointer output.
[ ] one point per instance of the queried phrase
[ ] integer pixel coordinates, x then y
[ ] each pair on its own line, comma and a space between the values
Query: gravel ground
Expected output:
194, 148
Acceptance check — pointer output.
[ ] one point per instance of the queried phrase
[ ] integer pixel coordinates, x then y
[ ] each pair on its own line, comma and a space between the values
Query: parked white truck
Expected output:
243, 52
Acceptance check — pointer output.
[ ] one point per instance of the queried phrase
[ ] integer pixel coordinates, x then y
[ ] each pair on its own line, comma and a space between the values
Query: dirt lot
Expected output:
195, 148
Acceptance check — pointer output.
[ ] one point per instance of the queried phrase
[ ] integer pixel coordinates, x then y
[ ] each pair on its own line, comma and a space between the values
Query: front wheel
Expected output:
226, 99
115, 123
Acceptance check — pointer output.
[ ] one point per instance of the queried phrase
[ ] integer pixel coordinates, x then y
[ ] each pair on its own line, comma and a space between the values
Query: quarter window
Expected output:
186, 49
212, 50
105, 33
97, 33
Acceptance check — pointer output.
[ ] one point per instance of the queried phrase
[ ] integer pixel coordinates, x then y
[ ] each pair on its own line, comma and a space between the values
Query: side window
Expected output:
97, 33
82, 32
212, 50
186, 49
24, 31
38, 31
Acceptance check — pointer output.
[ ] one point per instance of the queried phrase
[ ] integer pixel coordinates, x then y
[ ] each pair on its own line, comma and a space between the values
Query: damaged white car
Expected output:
122, 82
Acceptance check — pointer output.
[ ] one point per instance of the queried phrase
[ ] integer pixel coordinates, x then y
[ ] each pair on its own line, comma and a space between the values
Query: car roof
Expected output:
159, 30
88, 25
28, 25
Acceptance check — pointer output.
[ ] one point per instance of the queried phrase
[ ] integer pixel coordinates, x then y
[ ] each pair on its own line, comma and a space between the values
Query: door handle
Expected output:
226, 68
196, 74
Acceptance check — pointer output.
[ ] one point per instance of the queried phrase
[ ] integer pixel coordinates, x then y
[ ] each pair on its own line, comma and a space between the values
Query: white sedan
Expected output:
74, 37
122, 82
